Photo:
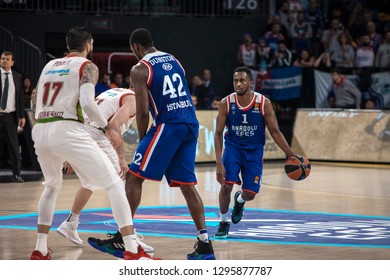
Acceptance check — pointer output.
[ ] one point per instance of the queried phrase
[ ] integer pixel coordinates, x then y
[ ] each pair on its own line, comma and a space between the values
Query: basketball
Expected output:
297, 167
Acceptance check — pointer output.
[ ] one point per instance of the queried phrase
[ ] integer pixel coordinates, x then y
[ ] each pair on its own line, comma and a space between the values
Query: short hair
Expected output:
244, 69
77, 38
8, 53
141, 36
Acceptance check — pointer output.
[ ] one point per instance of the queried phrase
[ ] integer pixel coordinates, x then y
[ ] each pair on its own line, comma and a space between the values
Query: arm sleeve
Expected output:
87, 102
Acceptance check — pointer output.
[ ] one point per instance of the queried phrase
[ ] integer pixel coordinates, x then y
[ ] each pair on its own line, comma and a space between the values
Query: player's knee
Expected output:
248, 196
133, 182
226, 189
52, 189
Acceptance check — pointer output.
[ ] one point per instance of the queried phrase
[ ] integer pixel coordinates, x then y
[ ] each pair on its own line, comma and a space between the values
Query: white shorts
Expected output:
60, 141
105, 144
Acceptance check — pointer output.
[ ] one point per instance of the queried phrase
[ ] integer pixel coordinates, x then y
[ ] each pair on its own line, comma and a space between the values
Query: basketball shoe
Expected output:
115, 246
203, 251
141, 255
238, 209
223, 230
36, 255
69, 231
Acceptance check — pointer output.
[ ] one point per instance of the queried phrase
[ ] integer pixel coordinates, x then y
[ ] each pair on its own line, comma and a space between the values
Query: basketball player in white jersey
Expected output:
118, 107
65, 89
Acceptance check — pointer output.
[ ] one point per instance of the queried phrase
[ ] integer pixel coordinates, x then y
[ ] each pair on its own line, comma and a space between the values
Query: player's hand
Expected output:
68, 168
221, 173
124, 168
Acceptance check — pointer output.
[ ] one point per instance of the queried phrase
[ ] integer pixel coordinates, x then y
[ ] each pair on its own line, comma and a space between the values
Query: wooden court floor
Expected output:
351, 190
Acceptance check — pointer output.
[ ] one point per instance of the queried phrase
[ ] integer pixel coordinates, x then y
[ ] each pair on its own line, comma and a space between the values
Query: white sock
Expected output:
239, 199
203, 235
41, 245
224, 216
131, 244
73, 217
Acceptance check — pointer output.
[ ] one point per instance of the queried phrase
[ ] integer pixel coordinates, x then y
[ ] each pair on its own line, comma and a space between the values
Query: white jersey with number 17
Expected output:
58, 90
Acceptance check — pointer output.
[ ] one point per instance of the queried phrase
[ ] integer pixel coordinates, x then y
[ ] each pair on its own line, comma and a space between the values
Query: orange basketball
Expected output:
297, 167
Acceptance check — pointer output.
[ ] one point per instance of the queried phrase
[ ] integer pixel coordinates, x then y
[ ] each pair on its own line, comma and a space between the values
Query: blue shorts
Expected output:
248, 162
170, 150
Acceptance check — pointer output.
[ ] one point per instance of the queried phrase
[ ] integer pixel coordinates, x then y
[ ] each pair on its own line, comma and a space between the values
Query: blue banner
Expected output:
279, 83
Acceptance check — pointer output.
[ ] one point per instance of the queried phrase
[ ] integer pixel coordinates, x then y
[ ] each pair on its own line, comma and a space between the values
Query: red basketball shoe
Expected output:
36, 255
141, 255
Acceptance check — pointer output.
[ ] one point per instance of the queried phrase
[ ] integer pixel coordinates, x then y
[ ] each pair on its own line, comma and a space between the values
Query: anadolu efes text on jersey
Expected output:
245, 125
169, 97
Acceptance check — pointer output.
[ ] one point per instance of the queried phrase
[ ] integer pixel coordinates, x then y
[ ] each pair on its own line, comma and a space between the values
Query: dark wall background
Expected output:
196, 42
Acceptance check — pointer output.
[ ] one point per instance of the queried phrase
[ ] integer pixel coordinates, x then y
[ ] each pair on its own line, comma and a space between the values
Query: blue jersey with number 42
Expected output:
169, 97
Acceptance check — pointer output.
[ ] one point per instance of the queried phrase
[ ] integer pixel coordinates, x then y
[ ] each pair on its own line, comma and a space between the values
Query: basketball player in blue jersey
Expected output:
245, 114
169, 146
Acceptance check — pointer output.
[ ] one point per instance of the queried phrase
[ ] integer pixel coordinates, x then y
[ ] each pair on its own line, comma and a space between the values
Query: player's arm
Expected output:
126, 111
218, 140
273, 128
138, 77
88, 81
33, 106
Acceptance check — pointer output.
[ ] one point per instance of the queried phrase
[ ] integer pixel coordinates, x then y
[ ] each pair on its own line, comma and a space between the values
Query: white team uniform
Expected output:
111, 101
60, 134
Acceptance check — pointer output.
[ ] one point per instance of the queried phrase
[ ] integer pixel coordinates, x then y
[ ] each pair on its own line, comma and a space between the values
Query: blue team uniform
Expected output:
169, 147
244, 142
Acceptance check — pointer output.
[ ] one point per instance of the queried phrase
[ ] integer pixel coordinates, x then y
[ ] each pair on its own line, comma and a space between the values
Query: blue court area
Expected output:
257, 225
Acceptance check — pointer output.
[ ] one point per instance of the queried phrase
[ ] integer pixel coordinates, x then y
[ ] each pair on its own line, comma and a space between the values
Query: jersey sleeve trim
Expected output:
150, 74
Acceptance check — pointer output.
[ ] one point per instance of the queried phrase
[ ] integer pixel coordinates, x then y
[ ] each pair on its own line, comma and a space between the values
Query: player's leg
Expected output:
231, 163
180, 172
51, 167
251, 172
68, 228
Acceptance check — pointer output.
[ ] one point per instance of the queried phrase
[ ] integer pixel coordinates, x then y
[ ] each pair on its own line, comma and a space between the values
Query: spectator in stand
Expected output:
264, 54
118, 81
358, 19
283, 57
294, 6
103, 84
365, 55
315, 16
375, 38
246, 54
344, 56
210, 86
276, 19
305, 59
382, 58
323, 62
215, 103
285, 15
301, 34
200, 91
344, 94
273, 37
27, 91
329, 37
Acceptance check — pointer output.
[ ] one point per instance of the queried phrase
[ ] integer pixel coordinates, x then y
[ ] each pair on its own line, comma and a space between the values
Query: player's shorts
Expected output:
170, 150
60, 141
249, 162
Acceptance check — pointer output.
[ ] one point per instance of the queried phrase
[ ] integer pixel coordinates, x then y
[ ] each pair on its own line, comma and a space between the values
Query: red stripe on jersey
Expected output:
247, 107
262, 102
82, 68
142, 177
150, 76
150, 147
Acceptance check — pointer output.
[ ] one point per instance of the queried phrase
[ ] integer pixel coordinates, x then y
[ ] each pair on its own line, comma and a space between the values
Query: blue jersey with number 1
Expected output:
169, 97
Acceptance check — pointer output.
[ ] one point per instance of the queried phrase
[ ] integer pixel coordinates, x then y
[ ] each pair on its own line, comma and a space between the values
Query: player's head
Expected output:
242, 80
140, 40
79, 39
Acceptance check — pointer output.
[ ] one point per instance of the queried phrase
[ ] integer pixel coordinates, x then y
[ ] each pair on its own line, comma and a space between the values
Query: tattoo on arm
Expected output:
90, 74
